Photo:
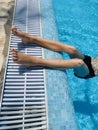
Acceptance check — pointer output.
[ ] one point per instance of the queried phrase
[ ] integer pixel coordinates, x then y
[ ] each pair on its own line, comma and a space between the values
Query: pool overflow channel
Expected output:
23, 104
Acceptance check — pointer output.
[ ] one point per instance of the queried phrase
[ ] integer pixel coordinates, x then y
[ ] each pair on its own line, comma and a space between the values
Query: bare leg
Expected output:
80, 70
50, 44
27, 60
24, 59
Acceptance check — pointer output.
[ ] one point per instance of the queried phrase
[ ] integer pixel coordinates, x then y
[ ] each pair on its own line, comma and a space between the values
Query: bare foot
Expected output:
20, 34
23, 59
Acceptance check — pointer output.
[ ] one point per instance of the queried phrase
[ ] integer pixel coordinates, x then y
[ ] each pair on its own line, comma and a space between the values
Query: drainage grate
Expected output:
23, 105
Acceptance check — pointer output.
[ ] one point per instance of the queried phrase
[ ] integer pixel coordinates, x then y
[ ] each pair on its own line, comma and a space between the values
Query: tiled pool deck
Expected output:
60, 108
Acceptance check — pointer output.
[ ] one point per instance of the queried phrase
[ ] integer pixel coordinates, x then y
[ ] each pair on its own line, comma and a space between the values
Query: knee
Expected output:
72, 50
79, 62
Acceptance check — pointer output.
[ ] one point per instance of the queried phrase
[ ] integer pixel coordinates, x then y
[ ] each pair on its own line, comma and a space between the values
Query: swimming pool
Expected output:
77, 23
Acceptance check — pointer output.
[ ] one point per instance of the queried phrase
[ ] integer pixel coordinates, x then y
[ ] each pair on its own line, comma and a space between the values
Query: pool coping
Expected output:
55, 103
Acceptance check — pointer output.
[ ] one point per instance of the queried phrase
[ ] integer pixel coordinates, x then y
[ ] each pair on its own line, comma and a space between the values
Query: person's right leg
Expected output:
77, 64
50, 44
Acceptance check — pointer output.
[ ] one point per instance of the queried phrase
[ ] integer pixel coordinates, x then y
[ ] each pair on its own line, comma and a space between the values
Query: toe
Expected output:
14, 30
13, 51
14, 59
14, 54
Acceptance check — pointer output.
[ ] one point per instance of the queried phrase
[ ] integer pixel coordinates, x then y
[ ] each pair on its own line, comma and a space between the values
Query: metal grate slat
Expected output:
23, 105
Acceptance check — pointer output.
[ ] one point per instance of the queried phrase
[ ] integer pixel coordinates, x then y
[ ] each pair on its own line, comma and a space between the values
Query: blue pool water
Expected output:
77, 22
